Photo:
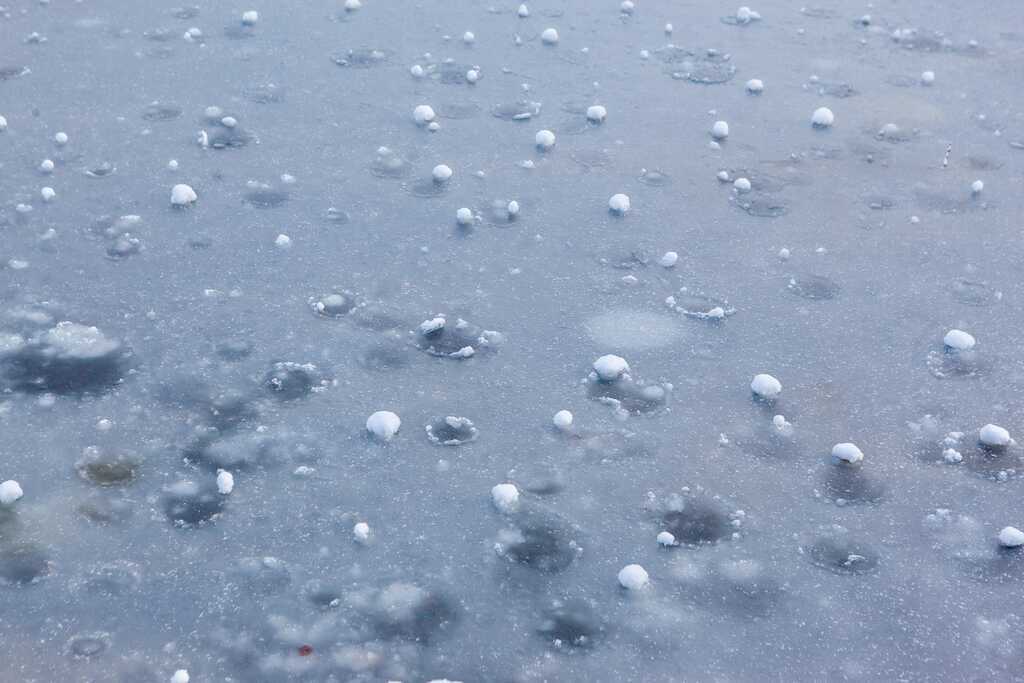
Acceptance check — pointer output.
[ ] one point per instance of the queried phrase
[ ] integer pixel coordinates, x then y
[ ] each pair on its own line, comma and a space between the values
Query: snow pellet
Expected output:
766, 386
993, 435
847, 452
182, 195
633, 577
505, 497
822, 117
383, 424
10, 491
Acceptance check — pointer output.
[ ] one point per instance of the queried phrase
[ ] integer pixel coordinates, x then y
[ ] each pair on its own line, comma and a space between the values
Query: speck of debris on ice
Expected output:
464, 216
10, 491
433, 126
666, 539
180, 676
423, 114
225, 482
633, 577
668, 259
610, 367
505, 497
847, 452
441, 173
1011, 537
596, 113
544, 139
549, 36
283, 241
952, 456
383, 424
766, 386
361, 532
172, 165
61, 138
562, 420
959, 340
977, 186
993, 435
48, 194
720, 130
755, 86
619, 203
182, 195
250, 17
822, 117
741, 185
928, 77
523, 11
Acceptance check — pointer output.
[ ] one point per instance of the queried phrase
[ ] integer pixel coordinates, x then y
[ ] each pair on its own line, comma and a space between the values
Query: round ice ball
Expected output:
959, 340
549, 36
505, 497
610, 367
766, 386
1011, 537
441, 173
423, 114
383, 424
562, 420
596, 113
183, 195
10, 492
544, 139
822, 117
994, 435
633, 577
720, 130
847, 452
619, 203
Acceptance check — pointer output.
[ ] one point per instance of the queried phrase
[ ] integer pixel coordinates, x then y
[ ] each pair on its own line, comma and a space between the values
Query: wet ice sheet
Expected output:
145, 348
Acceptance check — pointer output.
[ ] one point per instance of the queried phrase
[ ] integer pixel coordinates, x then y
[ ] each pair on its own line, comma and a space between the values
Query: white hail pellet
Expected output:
720, 130
283, 241
723, 176
610, 367
977, 186
665, 538
766, 386
523, 11
229, 121
619, 203
994, 435
822, 117
668, 259
61, 138
596, 113
3, 123
172, 165
433, 126
423, 114
182, 195
441, 173
627, 6
464, 216
1011, 537
741, 185
668, 29
549, 36
48, 194
783, 254
250, 17
544, 139
180, 676
468, 38
847, 452
633, 577
383, 424
505, 497
225, 482
562, 420
755, 86
416, 70
352, 5
46, 166
473, 75
361, 532
928, 77
959, 340
513, 208
10, 491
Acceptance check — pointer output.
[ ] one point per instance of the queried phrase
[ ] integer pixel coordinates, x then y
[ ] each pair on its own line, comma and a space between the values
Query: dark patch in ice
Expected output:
707, 67
389, 164
697, 520
104, 509
234, 349
516, 111
334, 305
836, 552
573, 624
743, 587
108, 580
879, 202
189, 504
107, 468
846, 483
496, 213
265, 197
628, 394
378, 316
406, 611
813, 287
158, 111
974, 292
248, 451
460, 339
264, 93
260, 576
998, 463
832, 89
451, 73
458, 111
617, 445
451, 431
160, 35
363, 57
67, 359
23, 563
654, 177
946, 363
426, 188
239, 32
87, 645
702, 306
8, 73
540, 479
540, 540
101, 170
762, 205
185, 12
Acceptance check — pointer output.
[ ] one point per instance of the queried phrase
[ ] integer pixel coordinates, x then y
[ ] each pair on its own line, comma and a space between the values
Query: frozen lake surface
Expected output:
291, 298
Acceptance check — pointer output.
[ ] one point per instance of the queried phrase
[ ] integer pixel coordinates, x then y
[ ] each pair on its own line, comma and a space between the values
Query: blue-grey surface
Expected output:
217, 348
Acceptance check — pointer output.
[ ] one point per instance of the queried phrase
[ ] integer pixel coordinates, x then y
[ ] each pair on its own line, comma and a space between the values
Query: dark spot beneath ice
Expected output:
457, 339
697, 521
67, 359
264, 93
761, 204
248, 451
973, 292
8, 73
705, 67
103, 509
23, 563
539, 540
408, 612
451, 431
260, 576
334, 305
846, 483
813, 287
234, 349
572, 624
389, 164
627, 394
161, 111
520, 110
88, 644
287, 380
840, 554
189, 504
384, 356
107, 468
265, 197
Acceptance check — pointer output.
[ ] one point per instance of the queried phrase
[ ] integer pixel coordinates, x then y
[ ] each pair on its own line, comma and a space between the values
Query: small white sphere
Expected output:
1011, 537
225, 482
513, 208
361, 532
755, 86
959, 340
464, 216
172, 165
619, 203
46, 166
3, 123
383, 424
524, 11
423, 114
610, 367
61, 138
665, 538
668, 29
182, 195
442, 173
977, 186
250, 17
505, 497
544, 139
283, 241
416, 70
10, 491
784, 254
741, 185
48, 194
352, 5
596, 113
627, 6
720, 130
472, 75
468, 38
633, 577
433, 126
668, 259
744, 15
180, 676
928, 77
562, 420
847, 452
822, 117
994, 435
229, 122
766, 386
549, 36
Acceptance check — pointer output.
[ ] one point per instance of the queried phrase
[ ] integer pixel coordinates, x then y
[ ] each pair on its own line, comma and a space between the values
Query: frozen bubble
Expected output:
451, 431
383, 425
813, 287
423, 114
720, 130
765, 386
101, 170
107, 468
610, 367
1011, 537
847, 452
10, 492
994, 436
666, 539
520, 110
288, 380
572, 624
654, 177
88, 644
596, 113
544, 139
633, 577
822, 117
225, 482
182, 195
23, 563
619, 204
189, 504
250, 17
505, 497
755, 86
549, 36
958, 340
